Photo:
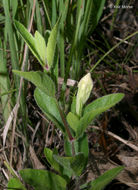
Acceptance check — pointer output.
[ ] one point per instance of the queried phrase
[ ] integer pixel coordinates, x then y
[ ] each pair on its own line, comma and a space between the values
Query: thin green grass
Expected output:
114, 14
4, 84
114, 47
16, 45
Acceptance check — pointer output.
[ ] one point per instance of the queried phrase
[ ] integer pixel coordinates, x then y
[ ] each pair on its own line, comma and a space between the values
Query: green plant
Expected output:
72, 125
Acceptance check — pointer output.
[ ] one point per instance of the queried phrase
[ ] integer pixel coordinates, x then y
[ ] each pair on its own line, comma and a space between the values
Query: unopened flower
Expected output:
84, 89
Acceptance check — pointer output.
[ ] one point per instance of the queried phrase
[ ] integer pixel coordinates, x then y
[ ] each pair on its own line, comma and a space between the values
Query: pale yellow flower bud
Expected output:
84, 89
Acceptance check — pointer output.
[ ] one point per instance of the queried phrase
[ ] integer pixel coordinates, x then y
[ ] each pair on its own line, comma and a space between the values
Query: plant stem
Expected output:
73, 148
67, 130
65, 123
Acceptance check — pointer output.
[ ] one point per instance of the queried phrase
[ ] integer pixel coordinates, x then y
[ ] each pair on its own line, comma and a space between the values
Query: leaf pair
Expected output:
39, 179
91, 111
69, 166
42, 179
37, 44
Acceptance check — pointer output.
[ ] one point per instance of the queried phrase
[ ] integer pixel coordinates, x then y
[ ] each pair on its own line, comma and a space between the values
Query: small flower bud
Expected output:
84, 89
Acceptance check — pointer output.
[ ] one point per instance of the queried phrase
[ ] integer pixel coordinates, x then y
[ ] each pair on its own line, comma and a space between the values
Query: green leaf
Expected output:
14, 183
96, 12
49, 106
81, 145
14, 6
65, 163
107, 177
100, 6
104, 103
40, 80
63, 172
49, 156
4, 84
67, 146
40, 46
42, 179
74, 165
72, 120
29, 39
95, 108
51, 45
78, 164
73, 105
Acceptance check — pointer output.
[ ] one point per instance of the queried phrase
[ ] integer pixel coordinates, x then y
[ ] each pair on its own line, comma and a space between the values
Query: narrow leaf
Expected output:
4, 84
96, 12
14, 6
107, 177
51, 45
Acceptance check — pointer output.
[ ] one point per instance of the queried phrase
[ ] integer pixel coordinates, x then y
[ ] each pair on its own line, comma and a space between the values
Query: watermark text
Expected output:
121, 6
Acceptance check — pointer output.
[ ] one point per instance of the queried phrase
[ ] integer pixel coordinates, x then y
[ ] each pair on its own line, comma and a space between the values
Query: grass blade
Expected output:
4, 84
114, 47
